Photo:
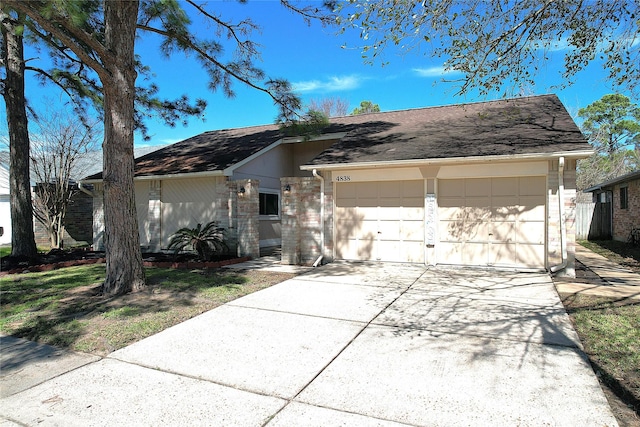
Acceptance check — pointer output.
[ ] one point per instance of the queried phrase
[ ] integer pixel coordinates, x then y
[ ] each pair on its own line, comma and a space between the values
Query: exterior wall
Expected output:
165, 206
624, 220
268, 168
300, 208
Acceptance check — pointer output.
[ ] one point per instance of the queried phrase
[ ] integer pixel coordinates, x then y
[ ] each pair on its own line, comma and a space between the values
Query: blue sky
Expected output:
311, 57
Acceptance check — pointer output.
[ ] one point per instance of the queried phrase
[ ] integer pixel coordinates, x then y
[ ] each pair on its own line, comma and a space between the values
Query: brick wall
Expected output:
626, 219
78, 223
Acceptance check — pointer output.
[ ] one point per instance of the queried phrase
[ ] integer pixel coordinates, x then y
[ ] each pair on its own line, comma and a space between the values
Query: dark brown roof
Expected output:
531, 125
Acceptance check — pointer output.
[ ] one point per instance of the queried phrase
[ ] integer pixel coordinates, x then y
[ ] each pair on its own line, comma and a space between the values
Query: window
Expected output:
624, 198
269, 204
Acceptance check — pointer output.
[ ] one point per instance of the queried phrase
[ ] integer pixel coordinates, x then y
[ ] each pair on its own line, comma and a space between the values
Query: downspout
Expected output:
319, 260
563, 227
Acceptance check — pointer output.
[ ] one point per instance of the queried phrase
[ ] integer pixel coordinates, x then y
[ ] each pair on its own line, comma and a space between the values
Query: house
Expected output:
489, 184
5, 206
621, 196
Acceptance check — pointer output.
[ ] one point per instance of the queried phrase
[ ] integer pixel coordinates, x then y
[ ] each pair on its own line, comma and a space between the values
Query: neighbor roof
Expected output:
529, 125
619, 180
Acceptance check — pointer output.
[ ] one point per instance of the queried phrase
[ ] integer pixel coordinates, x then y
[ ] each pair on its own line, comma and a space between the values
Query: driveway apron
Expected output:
346, 344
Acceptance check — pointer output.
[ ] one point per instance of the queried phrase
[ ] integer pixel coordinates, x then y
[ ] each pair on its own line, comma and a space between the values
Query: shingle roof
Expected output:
619, 180
531, 125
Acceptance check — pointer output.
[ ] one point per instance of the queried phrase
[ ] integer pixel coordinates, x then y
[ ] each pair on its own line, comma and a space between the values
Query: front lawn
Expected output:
65, 308
621, 253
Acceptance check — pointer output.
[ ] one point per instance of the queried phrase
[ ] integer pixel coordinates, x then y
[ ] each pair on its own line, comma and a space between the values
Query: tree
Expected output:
611, 123
22, 235
496, 43
110, 54
366, 107
59, 146
330, 107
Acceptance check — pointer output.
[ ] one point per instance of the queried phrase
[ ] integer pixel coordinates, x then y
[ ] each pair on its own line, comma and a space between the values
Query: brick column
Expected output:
246, 217
300, 213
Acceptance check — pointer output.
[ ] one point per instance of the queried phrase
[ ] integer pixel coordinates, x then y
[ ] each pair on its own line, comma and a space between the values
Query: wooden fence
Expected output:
593, 221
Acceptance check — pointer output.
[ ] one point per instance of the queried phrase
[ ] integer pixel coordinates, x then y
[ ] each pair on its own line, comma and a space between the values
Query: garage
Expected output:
380, 221
496, 222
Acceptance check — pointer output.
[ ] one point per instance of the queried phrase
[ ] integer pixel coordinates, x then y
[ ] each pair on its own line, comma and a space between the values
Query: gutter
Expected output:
563, 226
84, 189
319, 260
450, 160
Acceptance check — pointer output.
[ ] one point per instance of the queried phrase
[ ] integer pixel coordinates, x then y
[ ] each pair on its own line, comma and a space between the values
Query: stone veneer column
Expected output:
246, 218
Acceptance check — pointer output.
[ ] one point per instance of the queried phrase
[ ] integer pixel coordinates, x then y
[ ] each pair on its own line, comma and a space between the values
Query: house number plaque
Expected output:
430, 219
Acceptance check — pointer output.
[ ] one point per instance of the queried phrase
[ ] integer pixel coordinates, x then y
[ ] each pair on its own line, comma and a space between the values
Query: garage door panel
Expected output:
503, 231
530, 255
502, 254
531, 186
531, 232
450, 253
475, 213
475, 253
477, 187
411, 252
413, 189
389, 230
347, 229
366, 190
346, 190
504, 187
451, 188
497, 221
412, 214
389, 213
384, 220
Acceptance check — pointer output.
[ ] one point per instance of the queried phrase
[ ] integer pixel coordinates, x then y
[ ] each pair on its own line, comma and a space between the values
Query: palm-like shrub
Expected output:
206, 241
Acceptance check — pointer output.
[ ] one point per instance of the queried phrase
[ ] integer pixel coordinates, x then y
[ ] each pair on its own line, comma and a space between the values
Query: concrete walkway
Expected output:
344, 344
615, 280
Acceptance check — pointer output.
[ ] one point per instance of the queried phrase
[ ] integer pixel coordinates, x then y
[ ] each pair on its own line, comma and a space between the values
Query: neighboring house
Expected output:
5, 207
488, 184
622, 198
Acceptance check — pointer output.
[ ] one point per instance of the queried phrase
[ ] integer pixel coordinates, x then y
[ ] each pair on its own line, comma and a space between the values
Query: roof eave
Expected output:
165, 176
451, 160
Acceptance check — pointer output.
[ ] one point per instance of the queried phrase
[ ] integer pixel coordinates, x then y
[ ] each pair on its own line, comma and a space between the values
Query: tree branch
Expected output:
77, 34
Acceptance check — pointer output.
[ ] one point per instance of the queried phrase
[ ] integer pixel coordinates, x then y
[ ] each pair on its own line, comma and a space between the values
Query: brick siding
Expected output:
624, 220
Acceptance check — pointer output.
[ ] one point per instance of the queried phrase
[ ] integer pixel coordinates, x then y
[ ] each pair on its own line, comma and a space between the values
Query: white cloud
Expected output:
434, 72
332, 84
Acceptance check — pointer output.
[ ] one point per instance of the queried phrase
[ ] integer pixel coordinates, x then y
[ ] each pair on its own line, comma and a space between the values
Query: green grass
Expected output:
5, 251
65, 308
610, 332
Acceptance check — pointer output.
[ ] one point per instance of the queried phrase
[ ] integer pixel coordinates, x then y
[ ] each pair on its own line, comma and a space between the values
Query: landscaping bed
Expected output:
56, 259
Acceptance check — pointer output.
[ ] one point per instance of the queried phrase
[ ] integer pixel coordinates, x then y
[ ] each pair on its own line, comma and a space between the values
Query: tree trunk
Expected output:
125, 272
22, 236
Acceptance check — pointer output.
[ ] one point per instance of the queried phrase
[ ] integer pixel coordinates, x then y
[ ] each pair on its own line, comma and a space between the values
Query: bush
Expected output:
207, 241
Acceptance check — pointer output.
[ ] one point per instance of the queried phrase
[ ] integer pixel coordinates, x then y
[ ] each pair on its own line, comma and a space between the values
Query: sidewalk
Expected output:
616, 281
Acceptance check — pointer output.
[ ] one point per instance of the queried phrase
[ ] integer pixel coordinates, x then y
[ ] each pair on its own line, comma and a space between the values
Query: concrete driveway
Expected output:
345, 344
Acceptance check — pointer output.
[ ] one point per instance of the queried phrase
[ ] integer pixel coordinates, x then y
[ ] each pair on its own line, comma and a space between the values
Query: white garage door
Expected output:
492, 222
381, 221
